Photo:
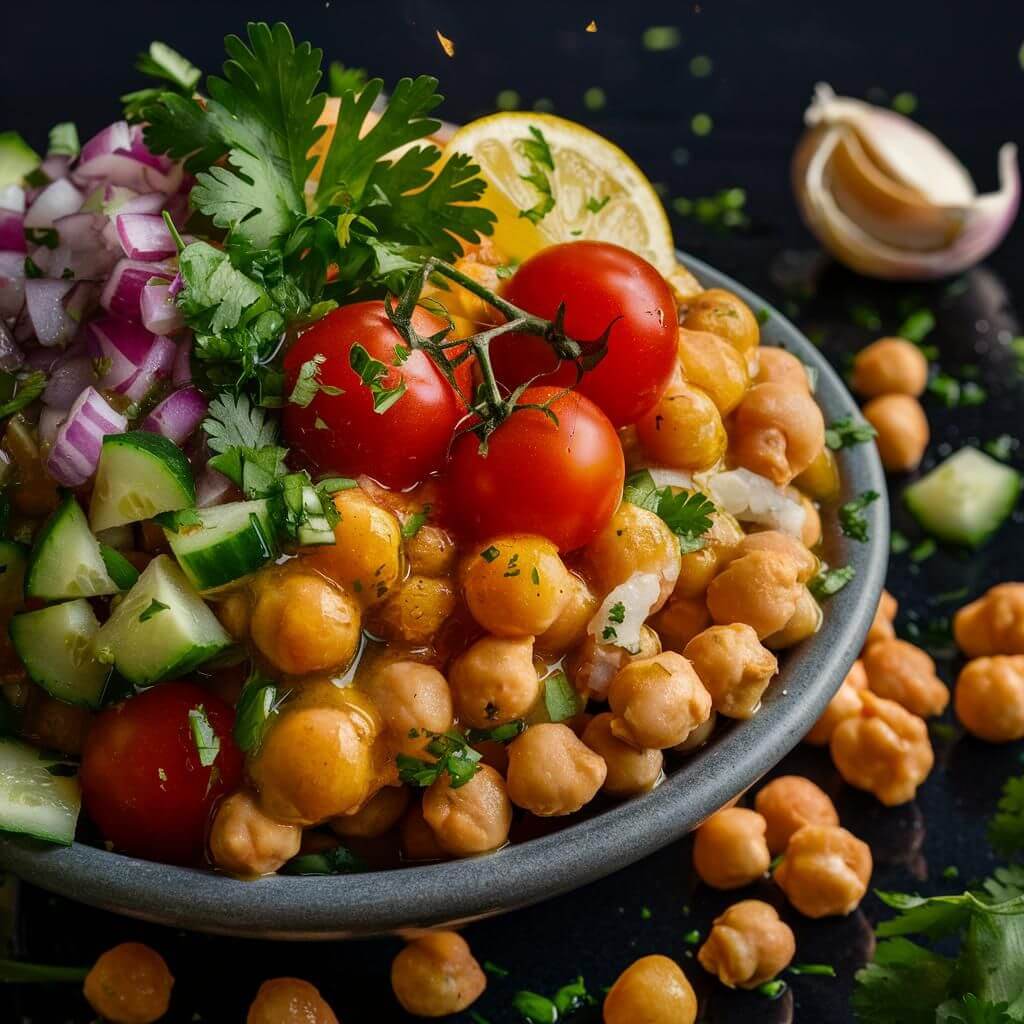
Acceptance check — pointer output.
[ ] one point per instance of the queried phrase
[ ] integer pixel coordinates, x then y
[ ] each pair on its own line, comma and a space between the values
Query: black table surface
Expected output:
70, 61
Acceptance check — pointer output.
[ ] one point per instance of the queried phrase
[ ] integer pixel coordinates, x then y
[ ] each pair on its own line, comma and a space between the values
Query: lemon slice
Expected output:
588, 169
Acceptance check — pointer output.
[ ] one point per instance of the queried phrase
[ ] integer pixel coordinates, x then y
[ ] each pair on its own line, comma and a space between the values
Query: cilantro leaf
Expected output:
415, 522
453, 755
852, 520
830, 581
846, 432
233, 421
339, 860
372, 372
207, 742
561, 698
1006, 829
1005, 884
182, 77
341, 79
538, 155
687, 514
308, 384
971, 1010
917, 326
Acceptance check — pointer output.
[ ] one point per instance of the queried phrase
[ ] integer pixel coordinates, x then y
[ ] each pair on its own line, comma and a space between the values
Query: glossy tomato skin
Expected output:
597, 282
398, 447
142, 782
562, 481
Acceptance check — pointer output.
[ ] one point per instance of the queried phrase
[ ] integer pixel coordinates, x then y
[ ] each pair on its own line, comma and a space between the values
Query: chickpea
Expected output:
821, 478
245, 842
777, 366
788, 803
747, 945
698, 568
234, 611
716, 367
436, 975
733, 666
652, 990
779, 432
302, 624
417, 610
899, 671
993, 624
846, 703
366, 557
726, 315
825, 871
289, 1001
410, 697
593, 665
634, 541
902, 431
551, 772
417, 838
810, 532
730, 850
380, 814
698, 737
630, 770
760, 589
807, 563
53, 725
474, 818
882, 624
805, 622
315, 763
570, 628
680, 621
989, 698
684, 430
129, 984
885, 750
521, 590
890, 366
658, 701
494, 681
431, 551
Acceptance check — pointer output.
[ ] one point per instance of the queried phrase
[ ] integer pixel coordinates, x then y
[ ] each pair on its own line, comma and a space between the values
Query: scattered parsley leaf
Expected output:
561, 698
495, 970
955, 394
155, 607
160, 61
339, 860
772, 989
852, 520
1002, 447
489, 554
206, 741
453, 755
538, 156
415, 522
813, 970
687, 514
308, 384
617, 613
372, 372
595, 205
866, 317
341, 79
257, 705
923, 551
1006, 829
534, 1008
232, 421
504, 733
645, 914
692, 937
845, 433
898, 542
917, 326
830, 581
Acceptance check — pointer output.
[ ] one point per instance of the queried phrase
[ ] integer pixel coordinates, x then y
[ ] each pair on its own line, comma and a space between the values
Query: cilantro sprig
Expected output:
852, 520
452, 755
687, 514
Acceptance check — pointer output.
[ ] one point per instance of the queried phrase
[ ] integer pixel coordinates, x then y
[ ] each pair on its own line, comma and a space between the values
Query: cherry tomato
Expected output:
597, 282
562, 481
142, 780
397, 446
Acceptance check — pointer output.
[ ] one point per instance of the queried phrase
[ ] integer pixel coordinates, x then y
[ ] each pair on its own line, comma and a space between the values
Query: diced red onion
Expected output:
82, 300
12, 283
178, 415
151, 202
121, 344
57, 200
213, 488
122, 294
11, 355
156, 367
23, 331
76, 447
39, 358
49, 421
141, 151
68, 381
123, 168
12, 231
159, 312
81, 231
12, 197
55, 167
182, 372
115, 136
144, 236
44, 300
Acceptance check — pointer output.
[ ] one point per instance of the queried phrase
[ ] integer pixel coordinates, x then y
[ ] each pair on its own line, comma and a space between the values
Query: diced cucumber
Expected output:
56, 646
65, 560
13, 559
34, 802
17, 158
966, 498
122, 572
221, 544
161, 628
139, 476
316, 529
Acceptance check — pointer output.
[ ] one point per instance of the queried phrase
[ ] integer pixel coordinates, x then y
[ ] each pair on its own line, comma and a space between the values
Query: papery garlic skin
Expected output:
887, 199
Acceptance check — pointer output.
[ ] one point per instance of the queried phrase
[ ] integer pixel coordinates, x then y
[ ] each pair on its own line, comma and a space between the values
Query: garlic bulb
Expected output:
887, 198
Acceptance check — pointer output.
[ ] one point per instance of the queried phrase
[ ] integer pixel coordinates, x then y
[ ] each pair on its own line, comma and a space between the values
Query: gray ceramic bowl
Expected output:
282, 907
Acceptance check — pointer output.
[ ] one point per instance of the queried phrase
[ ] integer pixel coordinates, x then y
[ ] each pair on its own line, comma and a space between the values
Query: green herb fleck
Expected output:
701, 124
594, 98
852, 520
372, 372
687, 514
207, 742
561, 699
1006, 829
866, 316
772, 989
507, 99
595, 205
1002, 447
831, 581
453, 755
495, 970
645, 914
490, 554
64, 140
155, 607
950, 872
924, 550
898, 542
538, 156
917, 326
692, 937
339, 860
701, 66
813, 970
904, 103
415, 522
845, 433
658, 38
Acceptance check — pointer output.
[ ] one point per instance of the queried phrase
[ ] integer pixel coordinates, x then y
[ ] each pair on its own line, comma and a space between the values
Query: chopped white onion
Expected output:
637, 596
58, 199
49, 420
755, 499
76, 447
44, 300
663, 477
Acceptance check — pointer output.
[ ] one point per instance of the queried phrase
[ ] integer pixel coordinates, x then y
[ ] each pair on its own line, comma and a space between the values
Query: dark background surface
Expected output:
70, 62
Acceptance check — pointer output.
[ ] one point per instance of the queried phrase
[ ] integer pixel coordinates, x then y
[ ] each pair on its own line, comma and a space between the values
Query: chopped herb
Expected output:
207, 742
813, 970
645, 914
609, 633
506, 270
495, 970
452, 755
617, 613
499, 734
538, 156
561, 698
594, 99
1006, 829
155, 607
415, 522
507, 99
308, 384
490, 554
904, 103
477, 1018
27, 390
595, 205
951, 872
917, 326
924, 550
701, 124
845, 433
16, 971
772, 989
257, 706
372, 373
851, 516
33, 270
161, 774
1002, 447
898, 542
954, 393
661, 37
572, 997
866, 317
764, 314
949, 596
535, 576
701, 66
942, 731
46, 237
831, 581
339, 860
512, 567
687, 514
534, 1008
692, 937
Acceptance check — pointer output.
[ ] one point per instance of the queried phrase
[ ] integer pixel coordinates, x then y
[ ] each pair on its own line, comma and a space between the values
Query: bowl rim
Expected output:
453, 892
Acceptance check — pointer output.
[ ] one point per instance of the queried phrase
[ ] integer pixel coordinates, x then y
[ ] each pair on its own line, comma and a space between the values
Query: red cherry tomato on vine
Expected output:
560, 480
142, 780
597, 282
397, 444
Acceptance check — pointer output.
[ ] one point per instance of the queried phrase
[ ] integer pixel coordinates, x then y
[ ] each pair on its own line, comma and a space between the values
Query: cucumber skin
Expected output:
121, 571
12, 750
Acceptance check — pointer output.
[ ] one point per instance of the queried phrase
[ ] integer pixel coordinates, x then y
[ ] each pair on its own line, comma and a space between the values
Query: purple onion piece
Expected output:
182, 372
11, 355
115, 136
58, 199
122, 294
156, 367
178, 415
122, 347
76, 447
12, 231
213, 488
160, 314
67, 381
12, 283
145, 236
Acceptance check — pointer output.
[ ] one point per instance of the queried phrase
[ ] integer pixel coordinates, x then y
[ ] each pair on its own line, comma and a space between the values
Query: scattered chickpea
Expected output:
289, 1001
777, 542
733, 666
416, 610
902, 431
993, 624
803, 623
245, 842
787, 804
989, 698
716, 367
760, 589
301, 623
825, 871
884, 749
658, 701
419, 843
410, 697
474, 818
730, 849
726, 315
570, 628
652, 990
436, 975
747, 945
899, 671
845, 704
698, 568
680, 621
430, 551
593, 665
380, 814
777, 366
494, 681
630, 769
551, 771
890, 366
882, 624
684, 430
129, 984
